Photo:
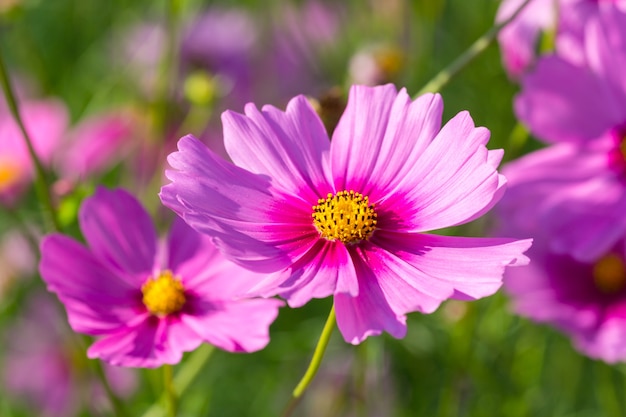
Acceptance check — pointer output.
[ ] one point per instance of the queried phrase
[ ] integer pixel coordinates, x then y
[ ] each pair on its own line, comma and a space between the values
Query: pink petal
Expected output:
324, 270
453, 181
143, 346
563, 102
368, 313
97, 300
475, 272
235, 326
290, 147
203, 269
380, 137
605, 47
120, 232
249, 220
518, 39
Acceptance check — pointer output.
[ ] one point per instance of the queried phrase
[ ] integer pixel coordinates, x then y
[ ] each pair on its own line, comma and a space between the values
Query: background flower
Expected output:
569, 101
148, 310
586, 301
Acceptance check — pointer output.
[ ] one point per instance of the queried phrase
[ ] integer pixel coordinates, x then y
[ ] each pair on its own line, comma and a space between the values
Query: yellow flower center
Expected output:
622, 147
609, 274
164, 294
9, 173
346, 216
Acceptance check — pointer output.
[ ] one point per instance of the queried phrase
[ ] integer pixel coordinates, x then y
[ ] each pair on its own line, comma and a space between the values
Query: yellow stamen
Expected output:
346, 216
164, 294
609, 274
622, 147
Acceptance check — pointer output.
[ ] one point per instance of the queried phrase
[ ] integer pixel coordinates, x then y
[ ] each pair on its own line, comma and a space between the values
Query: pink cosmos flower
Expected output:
39, 341
346, 218
574, 194
585, 300
96, 143
566, 101
565, 18
148, 303
45, 122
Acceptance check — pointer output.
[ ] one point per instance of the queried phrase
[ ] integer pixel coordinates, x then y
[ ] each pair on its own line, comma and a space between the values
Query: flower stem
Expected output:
118, 409
445, 75
184, 377
41, 184
170, 392
315, 363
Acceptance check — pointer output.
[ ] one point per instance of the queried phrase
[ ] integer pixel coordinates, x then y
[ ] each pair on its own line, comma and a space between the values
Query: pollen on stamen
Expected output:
346, 216
163, 294
609, 274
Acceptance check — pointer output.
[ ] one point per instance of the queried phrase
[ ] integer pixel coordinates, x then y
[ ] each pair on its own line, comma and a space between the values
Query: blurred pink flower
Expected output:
572, 194
566, 101
95, 144
587, 301
564, 18
45, 122
347, 217
61, 384
17, 259
149, 303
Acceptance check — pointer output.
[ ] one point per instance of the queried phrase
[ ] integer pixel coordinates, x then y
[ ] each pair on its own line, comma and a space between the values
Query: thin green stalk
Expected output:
186, 374
41, 184
170, 392
445, 75
311, 371
118, 408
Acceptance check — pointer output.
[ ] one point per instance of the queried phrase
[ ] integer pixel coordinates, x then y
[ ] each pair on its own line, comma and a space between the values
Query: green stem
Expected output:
445, 75
118, 409
41, 184
168, 388
186, 374
311, 371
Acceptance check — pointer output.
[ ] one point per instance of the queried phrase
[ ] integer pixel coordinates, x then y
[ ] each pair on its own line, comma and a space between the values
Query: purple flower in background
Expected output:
587, 301
148, 303
572, 194
566, 19
346, 218
566, 101
62, 381
45, 122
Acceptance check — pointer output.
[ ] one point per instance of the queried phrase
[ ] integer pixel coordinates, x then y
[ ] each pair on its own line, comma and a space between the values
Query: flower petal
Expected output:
235, 326
96, 299
380, 137
563, 102
143, 346
368, 313
471, 267
454, 180
605, 47
250, 221
324, 270
290, 147
120, 232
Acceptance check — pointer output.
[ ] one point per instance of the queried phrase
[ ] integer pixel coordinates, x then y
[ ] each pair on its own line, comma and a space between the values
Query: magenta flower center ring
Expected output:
164, 294
346, 216
609, 274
